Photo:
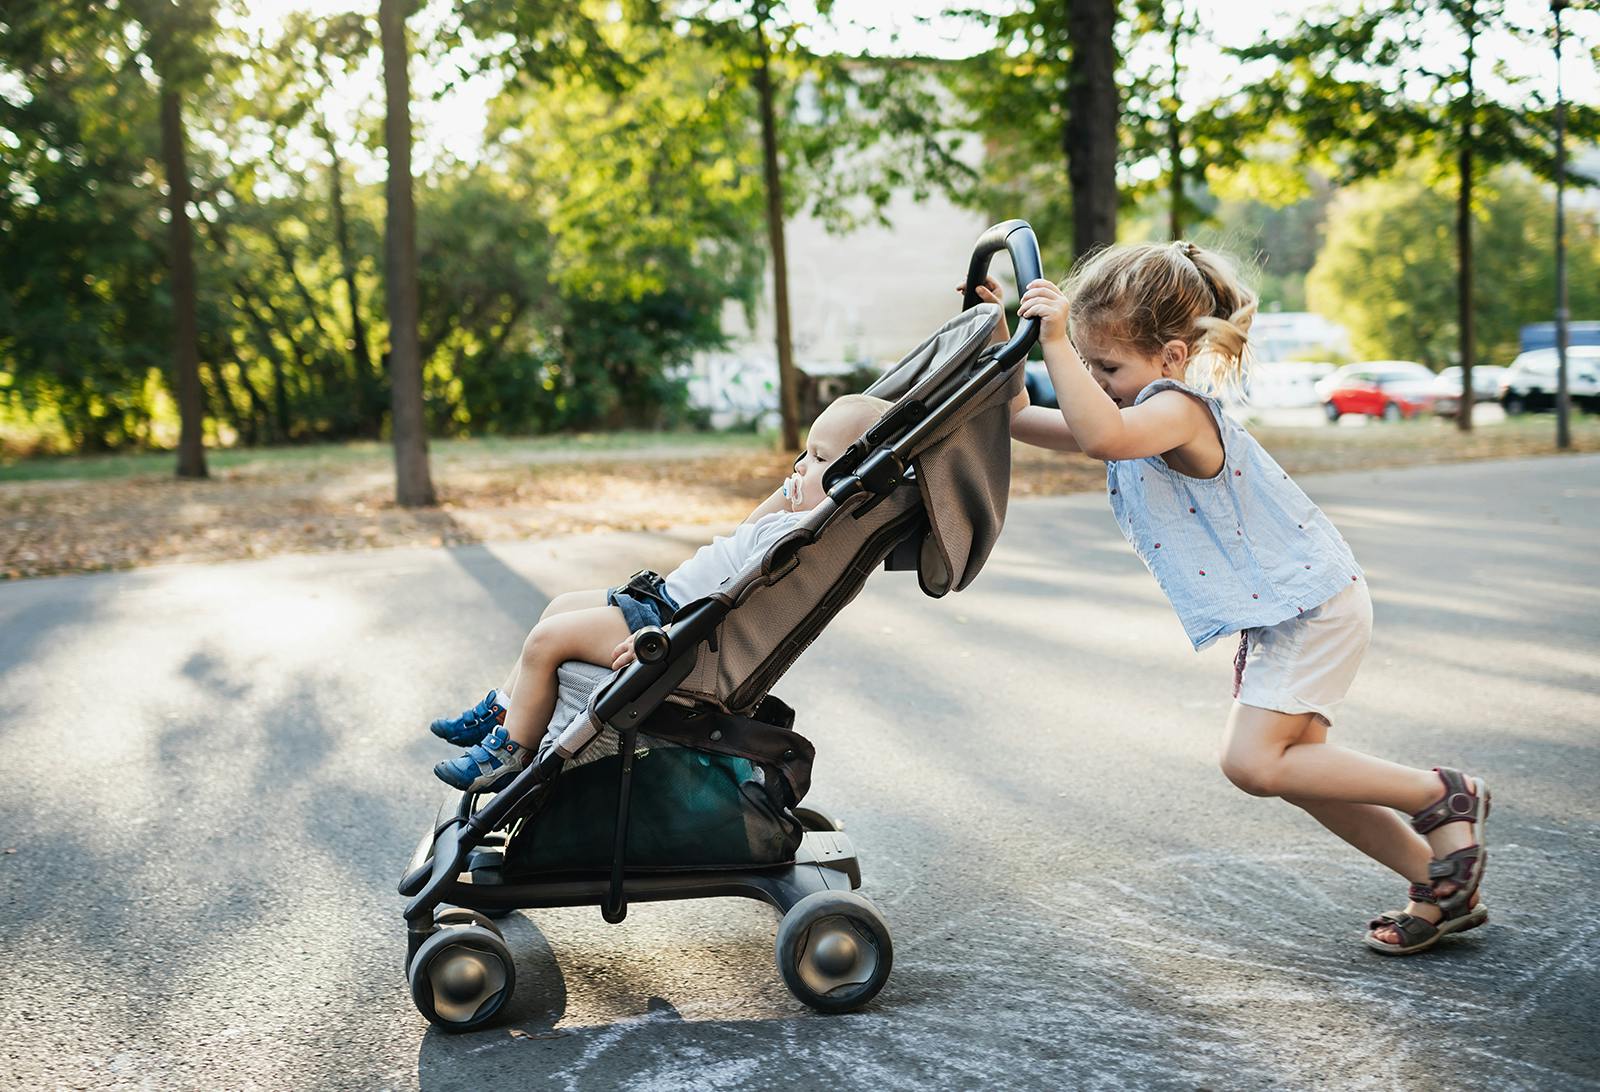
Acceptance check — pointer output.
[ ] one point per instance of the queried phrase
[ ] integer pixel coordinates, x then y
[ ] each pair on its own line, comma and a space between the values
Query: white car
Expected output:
1277, 385
1530, 382
1486, 380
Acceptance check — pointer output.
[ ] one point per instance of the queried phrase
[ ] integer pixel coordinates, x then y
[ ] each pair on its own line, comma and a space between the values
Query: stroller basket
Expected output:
925, 489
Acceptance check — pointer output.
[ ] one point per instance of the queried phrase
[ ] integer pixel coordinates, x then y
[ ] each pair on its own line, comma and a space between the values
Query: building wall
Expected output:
862, 298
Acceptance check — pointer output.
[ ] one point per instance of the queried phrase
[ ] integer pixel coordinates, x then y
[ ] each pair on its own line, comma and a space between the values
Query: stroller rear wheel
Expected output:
462, 977
834, 951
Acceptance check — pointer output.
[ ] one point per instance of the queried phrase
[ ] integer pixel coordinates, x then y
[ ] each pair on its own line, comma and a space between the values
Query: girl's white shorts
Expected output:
1306, 664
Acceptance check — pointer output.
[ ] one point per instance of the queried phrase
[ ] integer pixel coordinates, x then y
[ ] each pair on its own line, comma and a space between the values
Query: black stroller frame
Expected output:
833, 947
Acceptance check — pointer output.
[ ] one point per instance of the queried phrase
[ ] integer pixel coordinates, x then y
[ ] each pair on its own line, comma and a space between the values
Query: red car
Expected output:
1390, 389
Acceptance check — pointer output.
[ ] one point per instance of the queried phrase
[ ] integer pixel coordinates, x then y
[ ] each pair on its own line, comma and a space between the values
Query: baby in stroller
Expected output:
502, 732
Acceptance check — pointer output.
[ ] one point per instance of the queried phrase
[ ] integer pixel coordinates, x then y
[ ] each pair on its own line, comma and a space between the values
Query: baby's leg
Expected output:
588, 634
564, 603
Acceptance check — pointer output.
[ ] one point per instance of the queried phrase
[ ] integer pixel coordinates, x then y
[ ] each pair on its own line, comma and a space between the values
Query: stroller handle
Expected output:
1017, 239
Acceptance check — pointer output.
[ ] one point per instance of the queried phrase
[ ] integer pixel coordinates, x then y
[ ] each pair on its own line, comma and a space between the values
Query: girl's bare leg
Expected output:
587, 634
561, 604
1267, 753
1377, 831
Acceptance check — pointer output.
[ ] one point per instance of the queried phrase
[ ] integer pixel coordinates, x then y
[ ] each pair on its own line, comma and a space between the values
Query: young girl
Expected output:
597, 627
1238, 548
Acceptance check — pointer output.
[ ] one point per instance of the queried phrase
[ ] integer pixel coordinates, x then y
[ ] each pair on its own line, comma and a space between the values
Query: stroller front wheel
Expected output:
462, 977
834, 951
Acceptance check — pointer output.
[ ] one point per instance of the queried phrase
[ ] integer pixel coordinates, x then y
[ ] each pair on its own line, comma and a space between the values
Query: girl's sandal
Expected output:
1419, 934
1465, 800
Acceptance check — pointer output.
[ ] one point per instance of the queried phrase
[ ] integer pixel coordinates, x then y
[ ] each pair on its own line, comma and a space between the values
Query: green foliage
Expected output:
1015, 97
1365, 94
82, 277
563, 280
1385, 273
1159, 115
1283, 239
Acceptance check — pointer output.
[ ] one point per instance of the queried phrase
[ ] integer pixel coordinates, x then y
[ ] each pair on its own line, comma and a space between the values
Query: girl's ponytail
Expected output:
1220, 352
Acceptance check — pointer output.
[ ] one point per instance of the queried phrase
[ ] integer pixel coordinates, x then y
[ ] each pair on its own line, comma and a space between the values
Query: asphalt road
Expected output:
211, 775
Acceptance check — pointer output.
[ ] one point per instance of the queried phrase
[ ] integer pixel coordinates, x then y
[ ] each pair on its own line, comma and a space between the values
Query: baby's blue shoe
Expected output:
487, 766
472, 725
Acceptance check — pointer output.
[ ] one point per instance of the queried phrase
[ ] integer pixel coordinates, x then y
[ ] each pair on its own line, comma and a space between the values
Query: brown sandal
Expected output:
1420, 934
1465, 800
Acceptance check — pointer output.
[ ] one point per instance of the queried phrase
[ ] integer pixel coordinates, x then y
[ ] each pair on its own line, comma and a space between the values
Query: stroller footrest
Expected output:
830, 849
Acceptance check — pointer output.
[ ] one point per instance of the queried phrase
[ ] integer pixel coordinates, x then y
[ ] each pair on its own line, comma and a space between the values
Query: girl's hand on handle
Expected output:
622, 655
989, 292
1045, 302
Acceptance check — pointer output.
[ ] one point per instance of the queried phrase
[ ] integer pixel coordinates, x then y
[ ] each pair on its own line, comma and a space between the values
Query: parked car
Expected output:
1486, 380
1530, 383
1390, 389
1275, 385
1041, 392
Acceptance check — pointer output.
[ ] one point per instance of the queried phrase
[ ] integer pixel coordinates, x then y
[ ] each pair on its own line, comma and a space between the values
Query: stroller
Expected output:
698, 762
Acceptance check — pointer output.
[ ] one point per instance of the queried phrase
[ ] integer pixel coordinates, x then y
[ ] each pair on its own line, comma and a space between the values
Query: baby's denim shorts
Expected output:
643, 600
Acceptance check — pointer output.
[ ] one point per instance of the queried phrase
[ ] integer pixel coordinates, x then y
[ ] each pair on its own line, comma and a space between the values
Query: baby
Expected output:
597, 627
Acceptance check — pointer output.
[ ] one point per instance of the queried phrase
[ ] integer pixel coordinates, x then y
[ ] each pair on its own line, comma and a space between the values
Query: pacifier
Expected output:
792, 489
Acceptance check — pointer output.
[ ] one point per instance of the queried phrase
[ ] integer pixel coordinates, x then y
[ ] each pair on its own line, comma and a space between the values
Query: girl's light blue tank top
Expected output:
1244, 549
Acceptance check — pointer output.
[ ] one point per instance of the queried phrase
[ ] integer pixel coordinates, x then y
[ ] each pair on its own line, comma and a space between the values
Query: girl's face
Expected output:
1123, 371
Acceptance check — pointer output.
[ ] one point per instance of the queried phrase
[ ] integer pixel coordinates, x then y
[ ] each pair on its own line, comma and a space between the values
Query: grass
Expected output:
483, 453
74, 515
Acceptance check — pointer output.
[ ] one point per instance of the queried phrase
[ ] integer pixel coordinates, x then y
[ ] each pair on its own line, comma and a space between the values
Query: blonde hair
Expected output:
1147, 294
859, 405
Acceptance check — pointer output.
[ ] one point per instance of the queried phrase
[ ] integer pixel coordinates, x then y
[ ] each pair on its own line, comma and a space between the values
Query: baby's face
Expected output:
832, 432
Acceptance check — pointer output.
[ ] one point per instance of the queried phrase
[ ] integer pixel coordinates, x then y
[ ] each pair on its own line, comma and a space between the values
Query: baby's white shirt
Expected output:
726, 556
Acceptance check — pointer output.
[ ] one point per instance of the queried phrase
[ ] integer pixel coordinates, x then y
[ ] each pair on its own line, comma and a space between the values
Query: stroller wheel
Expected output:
462, 977
813, 819
834, 951
460, 915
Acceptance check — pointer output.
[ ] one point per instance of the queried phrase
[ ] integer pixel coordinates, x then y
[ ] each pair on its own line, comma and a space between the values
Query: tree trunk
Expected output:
1469, 347
325, 369
360, 353
1175, 139
224, 397
413, 483
278, 424
258, 409
788, 379
186, 355
1090, 134
280, 394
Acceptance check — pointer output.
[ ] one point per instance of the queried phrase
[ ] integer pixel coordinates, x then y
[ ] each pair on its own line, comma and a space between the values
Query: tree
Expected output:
81, 256
1364, 93
1380, 274
1090, 140
176, 38
751, 39
641, 210
413, 482
1045, 98
1197, 140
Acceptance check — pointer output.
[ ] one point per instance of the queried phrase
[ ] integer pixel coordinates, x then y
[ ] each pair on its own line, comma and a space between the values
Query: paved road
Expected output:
211, 775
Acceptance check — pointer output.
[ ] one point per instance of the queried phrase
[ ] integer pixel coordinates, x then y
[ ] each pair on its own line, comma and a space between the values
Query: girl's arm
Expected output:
1041, 427
1160, 424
